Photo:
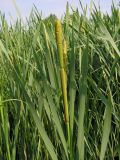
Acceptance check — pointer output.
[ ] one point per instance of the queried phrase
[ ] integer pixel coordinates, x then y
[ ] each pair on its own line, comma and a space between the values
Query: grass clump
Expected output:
60, 87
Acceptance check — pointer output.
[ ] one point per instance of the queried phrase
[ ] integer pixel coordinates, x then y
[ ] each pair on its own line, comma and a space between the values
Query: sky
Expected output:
46, 6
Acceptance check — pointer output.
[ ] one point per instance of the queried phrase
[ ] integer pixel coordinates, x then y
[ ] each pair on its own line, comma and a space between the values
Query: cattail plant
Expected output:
30, 73
62, 59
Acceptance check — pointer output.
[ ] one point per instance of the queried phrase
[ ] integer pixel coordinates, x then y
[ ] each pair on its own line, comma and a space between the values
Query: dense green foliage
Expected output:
32, 124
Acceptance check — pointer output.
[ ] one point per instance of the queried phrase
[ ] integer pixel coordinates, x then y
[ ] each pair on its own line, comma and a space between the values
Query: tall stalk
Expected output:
58, 31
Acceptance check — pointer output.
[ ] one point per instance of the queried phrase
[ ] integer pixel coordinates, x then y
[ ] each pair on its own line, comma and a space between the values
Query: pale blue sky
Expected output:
47, 6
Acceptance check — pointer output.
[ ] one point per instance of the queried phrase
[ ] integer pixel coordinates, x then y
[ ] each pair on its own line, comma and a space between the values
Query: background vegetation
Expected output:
32, 124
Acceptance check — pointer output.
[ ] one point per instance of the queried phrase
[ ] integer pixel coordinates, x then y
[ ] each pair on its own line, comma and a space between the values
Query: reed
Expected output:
62, 59
59, 97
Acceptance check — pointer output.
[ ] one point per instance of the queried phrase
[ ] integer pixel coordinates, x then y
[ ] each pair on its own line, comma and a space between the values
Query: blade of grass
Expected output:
82, 102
